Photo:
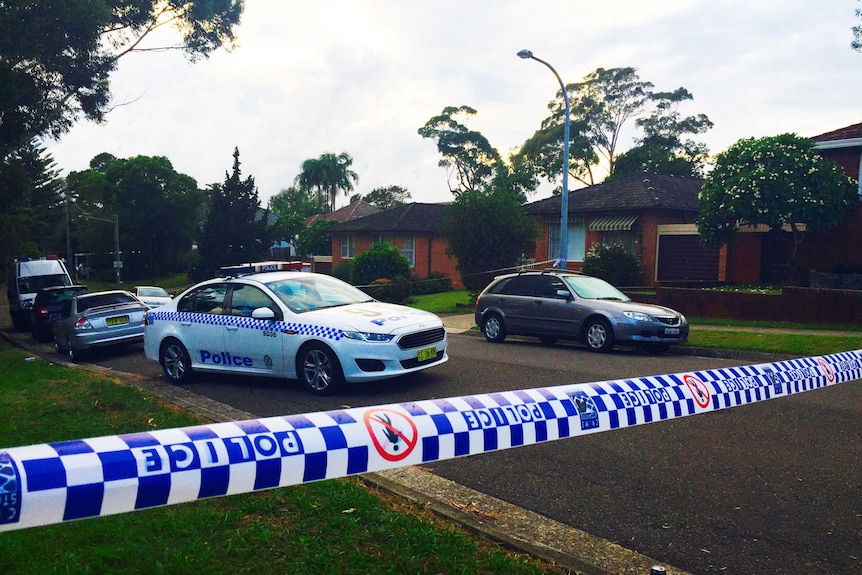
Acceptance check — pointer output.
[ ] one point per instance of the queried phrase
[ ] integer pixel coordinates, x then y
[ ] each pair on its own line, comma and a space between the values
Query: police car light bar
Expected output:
259, 267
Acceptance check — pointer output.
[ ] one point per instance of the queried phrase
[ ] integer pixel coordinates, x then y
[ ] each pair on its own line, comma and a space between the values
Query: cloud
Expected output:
363, 76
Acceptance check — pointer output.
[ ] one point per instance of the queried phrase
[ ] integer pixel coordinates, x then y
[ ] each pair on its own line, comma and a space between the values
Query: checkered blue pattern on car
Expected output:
58, 482
306, 329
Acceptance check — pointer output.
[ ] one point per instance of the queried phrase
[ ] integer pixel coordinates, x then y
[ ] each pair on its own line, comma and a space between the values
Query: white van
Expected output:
24, 278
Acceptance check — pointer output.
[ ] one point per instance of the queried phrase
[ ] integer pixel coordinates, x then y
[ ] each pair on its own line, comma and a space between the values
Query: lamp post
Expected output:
564, 204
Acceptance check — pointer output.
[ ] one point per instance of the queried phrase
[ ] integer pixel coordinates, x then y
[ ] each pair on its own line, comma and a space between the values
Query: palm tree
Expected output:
327, 175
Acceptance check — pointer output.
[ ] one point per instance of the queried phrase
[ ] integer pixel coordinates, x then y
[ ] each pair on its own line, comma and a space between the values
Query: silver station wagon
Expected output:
555, 304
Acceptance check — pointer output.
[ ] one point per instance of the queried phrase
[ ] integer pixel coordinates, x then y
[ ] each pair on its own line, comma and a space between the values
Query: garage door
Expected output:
682, 258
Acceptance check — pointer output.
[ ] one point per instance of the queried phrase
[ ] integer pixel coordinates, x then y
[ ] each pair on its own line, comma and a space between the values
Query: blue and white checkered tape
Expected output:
306, 329
58, 482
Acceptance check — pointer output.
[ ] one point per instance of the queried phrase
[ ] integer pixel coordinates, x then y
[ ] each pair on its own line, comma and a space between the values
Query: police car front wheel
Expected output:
175, 361
319, 369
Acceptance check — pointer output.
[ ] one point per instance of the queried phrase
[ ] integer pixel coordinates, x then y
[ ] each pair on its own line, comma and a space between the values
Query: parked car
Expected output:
292, 324
153, 296
47, 306
24, 278
98, 319
555, 304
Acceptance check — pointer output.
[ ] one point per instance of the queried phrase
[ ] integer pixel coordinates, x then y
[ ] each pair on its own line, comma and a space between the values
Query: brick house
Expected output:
755, 256
651, 213
416, 229
322, 263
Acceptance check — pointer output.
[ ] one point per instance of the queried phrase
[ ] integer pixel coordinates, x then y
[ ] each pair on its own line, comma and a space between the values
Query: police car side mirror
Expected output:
564, 294
263, 313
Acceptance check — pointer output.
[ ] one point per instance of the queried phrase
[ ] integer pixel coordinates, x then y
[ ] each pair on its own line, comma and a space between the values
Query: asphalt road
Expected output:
769, 488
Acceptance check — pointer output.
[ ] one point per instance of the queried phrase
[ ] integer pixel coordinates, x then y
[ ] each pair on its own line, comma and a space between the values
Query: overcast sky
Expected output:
362, 76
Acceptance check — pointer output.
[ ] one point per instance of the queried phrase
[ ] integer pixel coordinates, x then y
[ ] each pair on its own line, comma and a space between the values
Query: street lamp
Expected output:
564, 204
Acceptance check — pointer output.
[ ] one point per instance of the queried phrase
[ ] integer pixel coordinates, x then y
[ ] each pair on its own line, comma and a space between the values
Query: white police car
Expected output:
259, 320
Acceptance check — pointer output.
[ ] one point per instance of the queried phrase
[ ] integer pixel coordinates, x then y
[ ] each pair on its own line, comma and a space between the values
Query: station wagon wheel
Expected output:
598, 335
175, 361
319, 370
494, 328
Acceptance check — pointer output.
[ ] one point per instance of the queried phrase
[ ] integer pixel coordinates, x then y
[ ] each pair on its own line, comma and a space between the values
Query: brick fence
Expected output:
798, 305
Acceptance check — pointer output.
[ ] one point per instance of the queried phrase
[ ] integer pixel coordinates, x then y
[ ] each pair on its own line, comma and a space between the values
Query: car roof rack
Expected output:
259, 267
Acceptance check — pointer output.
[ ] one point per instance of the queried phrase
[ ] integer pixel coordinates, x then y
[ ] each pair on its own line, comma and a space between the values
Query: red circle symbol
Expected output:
394, 434
698, 390
827, 369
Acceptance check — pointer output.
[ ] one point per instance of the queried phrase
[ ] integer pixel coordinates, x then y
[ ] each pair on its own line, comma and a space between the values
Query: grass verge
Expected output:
330, 527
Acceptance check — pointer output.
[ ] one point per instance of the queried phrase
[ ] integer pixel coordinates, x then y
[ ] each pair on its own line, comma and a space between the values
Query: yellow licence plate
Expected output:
426, 354
118, 320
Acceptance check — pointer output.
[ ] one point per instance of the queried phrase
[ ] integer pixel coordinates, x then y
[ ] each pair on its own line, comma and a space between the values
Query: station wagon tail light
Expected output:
366, 336
83, 323
42, 312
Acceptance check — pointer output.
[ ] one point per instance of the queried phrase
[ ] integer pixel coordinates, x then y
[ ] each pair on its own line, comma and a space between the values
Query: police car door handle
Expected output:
232, 327
185, 323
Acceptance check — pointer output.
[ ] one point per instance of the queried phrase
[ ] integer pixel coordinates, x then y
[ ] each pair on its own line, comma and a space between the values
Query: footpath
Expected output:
514, 527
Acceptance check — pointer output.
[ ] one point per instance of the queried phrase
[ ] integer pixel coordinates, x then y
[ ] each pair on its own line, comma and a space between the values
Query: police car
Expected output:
263, 319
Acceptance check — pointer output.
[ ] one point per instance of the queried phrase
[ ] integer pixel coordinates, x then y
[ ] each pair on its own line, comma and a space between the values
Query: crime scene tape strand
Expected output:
59, 482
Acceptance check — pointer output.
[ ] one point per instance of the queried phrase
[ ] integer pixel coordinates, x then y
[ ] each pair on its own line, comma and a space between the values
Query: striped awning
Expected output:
612, 223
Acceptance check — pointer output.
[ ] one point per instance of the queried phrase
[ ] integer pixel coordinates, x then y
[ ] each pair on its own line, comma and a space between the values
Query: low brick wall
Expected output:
800, 305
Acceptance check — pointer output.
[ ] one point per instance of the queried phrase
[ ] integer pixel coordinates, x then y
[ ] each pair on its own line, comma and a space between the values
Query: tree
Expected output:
487, 232
778, 181
600, 106
56, 56
235, 229
857, 33
314, 239
467, 155
290, 208
663, 148
32, 213
326, 176
146, 194
387, 197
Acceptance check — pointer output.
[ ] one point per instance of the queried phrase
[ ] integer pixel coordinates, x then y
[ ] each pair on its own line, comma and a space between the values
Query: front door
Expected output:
253, 345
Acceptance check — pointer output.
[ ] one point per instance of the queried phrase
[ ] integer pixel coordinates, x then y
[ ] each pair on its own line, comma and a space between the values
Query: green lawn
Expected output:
330, 527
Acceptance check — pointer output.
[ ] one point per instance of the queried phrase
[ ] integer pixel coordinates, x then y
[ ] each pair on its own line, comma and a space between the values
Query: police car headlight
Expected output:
682, 319
637, 316
366, 336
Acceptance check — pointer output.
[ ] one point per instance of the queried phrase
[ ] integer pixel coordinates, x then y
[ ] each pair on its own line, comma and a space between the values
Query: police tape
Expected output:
59, 482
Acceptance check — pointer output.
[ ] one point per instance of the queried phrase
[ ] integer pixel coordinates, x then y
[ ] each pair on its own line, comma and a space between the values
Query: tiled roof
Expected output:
633, 193
358, 209
415, 217
847, 133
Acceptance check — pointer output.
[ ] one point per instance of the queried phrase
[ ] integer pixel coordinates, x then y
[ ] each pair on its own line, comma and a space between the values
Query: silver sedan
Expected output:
99, 319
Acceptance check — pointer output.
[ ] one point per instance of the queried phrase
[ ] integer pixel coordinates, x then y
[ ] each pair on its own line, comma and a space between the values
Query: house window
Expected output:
381, 239
348, 246
408, 250
621, 237
577, 239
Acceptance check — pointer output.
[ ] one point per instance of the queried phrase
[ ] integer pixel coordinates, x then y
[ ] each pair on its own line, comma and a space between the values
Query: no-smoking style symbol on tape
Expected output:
393, 433
827, 369
698, 390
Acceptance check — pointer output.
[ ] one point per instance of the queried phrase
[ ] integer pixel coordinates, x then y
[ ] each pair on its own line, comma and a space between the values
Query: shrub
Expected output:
343, 270
614, 263
436, 282
396, 290
381, 261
